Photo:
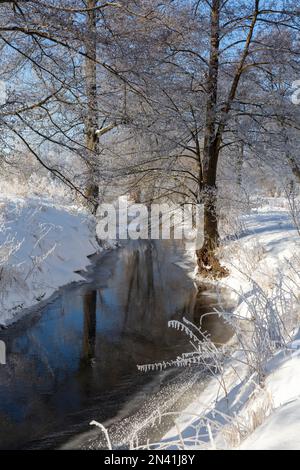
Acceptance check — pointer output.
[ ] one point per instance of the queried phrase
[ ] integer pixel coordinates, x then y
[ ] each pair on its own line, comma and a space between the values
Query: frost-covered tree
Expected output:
149, 96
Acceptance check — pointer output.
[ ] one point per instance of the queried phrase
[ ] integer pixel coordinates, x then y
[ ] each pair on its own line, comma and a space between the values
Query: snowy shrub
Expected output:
267, 313
293, 200
36, 183
264, 326
204, 352
9, 246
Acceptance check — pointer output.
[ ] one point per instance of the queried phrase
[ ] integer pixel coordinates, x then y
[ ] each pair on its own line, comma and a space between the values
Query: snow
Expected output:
43, 242
239, 412
268, 243
279, 432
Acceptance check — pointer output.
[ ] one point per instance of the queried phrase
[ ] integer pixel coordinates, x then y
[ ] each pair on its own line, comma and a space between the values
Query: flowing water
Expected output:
75, 359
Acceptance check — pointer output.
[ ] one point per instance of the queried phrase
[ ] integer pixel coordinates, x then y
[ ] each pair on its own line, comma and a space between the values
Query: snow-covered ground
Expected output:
281, 429
241, 407
267, 242
42, 244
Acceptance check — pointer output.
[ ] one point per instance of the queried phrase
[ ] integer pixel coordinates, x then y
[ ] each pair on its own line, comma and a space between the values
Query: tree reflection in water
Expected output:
89, 327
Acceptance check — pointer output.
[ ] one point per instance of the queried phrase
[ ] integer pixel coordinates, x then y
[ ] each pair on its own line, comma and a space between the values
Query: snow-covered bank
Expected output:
255, 399
42, 244
281, 429
249, 415
267, 241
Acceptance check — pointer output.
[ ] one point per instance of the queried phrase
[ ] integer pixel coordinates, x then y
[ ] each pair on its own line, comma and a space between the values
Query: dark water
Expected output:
75, 359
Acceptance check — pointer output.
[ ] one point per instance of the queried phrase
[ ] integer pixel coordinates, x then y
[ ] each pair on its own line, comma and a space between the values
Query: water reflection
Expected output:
208, 303
89, 327
77, 359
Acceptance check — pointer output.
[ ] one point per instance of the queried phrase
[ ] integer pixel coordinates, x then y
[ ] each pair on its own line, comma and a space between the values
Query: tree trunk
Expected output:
208, 263
214, 129
206, 259
210, 152
91, 123
239, 165
294, 167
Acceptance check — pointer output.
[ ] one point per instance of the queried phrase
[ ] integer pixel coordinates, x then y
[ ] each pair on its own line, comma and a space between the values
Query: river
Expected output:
75, 358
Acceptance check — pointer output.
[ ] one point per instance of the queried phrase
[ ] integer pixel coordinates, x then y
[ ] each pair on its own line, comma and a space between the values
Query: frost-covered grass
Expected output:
252, 399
